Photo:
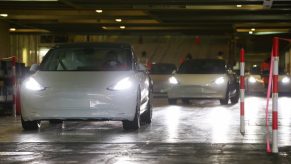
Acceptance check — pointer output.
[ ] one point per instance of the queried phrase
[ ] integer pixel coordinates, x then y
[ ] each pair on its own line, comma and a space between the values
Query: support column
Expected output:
4, 39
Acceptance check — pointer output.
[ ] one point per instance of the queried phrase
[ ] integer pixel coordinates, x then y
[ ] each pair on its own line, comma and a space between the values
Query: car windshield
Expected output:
164, 69
203, 66
87, 59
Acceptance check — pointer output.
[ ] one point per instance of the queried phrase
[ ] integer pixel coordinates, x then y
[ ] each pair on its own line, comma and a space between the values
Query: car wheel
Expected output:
186, 101
225, 100
30, 125
172, 101
146, 117
55, 121
135, 124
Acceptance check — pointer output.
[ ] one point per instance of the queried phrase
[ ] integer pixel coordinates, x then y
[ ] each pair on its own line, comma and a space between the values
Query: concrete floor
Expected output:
200, 132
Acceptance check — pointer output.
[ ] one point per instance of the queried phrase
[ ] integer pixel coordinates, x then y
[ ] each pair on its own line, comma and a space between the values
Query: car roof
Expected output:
94, 44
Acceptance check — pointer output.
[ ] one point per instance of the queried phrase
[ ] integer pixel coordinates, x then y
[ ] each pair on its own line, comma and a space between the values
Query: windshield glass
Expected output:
87, 59
203, 66
163, 68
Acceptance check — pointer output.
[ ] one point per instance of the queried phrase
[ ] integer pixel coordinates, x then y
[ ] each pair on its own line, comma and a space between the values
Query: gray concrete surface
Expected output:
200, 132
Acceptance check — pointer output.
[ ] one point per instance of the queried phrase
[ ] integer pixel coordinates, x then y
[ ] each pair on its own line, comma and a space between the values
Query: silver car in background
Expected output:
203, 79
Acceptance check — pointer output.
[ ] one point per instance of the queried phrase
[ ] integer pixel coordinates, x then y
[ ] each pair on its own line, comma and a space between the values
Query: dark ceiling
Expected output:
153, 16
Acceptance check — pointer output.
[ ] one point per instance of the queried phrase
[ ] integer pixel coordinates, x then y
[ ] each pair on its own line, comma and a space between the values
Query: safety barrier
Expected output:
242, 91
272, 87
273, 81
275, 95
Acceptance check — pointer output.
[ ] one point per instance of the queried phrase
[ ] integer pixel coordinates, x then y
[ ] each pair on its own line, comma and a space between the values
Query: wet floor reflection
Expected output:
202, 121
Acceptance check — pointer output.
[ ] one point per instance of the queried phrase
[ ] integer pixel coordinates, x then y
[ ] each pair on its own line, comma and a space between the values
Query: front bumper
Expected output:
78, 105
197, 91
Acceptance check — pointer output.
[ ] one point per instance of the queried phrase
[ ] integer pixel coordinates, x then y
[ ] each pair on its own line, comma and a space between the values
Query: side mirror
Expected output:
141, 68
174, 71
34, 68
230, 71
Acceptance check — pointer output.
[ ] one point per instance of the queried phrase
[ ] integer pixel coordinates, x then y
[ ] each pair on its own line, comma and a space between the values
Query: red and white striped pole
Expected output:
275, 94
242, 91
14, 85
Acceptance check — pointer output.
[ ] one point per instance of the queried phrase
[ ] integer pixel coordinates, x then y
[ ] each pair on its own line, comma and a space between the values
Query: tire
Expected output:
225, 100
172, 101
135, 123
55, 121
146, 117
186, 101
30, 125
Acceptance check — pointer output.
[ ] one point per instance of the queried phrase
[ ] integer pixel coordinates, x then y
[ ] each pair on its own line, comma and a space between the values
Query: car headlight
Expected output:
173, 80
123, 84
286, 80
219, 80
252, 80
32, 84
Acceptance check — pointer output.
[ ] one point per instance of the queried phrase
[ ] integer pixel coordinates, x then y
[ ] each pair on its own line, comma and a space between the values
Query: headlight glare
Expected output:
219, 80
32, 84
173, 80
252, 80
286, 80
122, 84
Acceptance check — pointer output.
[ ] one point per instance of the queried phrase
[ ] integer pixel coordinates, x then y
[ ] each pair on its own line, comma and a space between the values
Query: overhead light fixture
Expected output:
99, 11
250, 32
104, 27
238, 6
122, 27
12, 29
253, 29
118, 20
4, 15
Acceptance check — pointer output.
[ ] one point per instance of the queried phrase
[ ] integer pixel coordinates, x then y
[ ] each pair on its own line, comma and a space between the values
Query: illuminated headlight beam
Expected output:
252, 80
286, 80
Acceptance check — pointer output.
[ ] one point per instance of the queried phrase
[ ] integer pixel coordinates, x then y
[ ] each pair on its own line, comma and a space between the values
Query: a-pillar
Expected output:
4, 39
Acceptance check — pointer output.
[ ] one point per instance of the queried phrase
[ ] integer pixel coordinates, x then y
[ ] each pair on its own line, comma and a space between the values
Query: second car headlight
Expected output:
32, 84
285, 80
123, 84
219, 80
252, 80
173, 80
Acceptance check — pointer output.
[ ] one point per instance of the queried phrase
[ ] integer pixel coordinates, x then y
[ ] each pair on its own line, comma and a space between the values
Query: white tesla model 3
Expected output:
203, 78
87, 81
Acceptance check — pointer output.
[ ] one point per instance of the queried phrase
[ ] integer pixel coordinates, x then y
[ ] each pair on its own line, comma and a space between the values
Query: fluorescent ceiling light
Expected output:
224, 7
4, 15
12, 29
269, 33
104, 27
122, 27
99, 11
118, 20
250, 32
253, 29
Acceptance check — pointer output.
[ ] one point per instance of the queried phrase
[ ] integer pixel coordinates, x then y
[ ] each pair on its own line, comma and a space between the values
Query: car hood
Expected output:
98, 80
198, 79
